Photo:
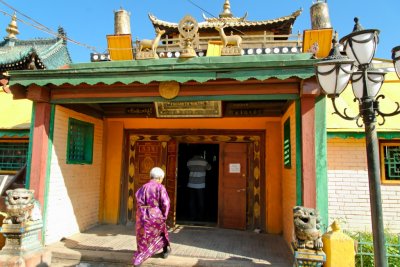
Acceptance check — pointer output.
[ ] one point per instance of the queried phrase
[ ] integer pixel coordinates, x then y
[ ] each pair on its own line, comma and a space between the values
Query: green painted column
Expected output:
29, 159
48, 166
321, 159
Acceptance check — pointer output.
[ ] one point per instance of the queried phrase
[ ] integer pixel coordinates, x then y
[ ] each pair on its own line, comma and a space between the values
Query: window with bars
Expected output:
390, 161
13, 155
80, 142
287, 161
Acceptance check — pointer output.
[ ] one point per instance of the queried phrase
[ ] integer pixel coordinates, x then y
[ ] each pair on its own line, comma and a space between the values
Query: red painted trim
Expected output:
40, 142
308, 151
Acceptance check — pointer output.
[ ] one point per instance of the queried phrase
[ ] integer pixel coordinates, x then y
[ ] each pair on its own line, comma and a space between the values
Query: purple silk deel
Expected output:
152, 207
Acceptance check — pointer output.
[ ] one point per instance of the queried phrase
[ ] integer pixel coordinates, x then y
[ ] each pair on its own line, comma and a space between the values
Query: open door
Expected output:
233, 185
210, 153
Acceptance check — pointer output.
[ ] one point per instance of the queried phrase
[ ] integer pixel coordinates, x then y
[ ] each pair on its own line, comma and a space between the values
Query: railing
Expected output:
365, 255
264, 43
248, 41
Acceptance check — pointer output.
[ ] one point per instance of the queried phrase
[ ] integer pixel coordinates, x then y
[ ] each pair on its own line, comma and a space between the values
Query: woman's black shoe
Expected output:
166, 251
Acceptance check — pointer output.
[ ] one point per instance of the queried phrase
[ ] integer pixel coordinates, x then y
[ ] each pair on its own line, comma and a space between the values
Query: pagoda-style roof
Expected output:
282, 25
33, 54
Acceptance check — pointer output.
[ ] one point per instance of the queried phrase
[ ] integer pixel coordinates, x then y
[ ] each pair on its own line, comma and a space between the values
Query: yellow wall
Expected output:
271, 126
273, 175
113, 172
390, 89
15, 114
289, 179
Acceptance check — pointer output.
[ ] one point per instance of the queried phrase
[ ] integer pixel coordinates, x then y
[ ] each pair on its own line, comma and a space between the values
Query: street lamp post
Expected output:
396, 59
333, 74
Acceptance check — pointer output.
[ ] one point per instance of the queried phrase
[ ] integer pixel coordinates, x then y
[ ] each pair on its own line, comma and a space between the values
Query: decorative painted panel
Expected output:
145, 152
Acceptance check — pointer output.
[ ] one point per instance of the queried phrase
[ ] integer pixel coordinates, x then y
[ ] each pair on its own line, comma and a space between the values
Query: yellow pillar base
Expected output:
338, 247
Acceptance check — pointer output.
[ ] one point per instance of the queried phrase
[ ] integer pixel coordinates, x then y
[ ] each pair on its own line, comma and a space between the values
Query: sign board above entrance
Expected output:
199, 109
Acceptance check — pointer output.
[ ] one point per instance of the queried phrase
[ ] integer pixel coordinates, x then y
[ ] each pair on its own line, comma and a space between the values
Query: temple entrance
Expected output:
233, 185
210, 152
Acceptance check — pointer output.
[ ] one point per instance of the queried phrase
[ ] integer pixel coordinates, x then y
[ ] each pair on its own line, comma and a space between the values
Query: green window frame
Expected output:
390, 161
287, 155
80, 142
13, 155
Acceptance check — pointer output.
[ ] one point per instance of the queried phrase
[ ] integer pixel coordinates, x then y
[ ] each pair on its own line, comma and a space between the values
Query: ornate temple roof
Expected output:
42, 53
32, 54
282, 25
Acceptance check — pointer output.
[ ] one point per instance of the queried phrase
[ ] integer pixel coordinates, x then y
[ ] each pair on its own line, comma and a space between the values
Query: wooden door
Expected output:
233, 185
148, 155
161, 154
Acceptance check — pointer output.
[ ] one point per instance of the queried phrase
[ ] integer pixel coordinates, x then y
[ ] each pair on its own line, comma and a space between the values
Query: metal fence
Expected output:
13, 156
365, 251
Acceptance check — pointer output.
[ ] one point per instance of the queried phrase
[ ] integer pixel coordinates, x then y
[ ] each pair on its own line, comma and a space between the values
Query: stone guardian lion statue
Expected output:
21, 206
307, 228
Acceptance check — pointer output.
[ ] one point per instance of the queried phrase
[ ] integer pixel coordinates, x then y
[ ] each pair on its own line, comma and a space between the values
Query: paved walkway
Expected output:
113, 245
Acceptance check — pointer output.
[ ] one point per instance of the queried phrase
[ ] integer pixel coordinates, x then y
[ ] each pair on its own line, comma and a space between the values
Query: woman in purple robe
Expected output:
152, 206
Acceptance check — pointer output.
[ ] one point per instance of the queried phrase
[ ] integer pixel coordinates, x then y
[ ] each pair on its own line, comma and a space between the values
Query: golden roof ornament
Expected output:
188, 36
169, 89
226, 13
147, 49
231, 44
12, 28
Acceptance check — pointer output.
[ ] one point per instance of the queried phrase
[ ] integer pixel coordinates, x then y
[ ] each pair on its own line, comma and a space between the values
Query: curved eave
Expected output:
24, 133
241, 68
283, 23
23, 61
56, 56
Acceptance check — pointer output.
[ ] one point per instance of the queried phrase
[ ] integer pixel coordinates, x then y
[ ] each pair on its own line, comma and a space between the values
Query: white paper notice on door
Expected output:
234, 167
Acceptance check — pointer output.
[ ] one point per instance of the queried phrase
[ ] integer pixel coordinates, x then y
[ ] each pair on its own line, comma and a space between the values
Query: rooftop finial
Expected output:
62, 35
12, 28
357, 26
226, 13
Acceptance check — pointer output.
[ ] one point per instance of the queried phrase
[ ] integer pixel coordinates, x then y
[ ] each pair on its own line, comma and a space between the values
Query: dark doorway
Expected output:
211, 153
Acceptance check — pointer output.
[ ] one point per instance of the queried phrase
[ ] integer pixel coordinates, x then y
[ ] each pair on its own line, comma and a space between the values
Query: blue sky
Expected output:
89, 22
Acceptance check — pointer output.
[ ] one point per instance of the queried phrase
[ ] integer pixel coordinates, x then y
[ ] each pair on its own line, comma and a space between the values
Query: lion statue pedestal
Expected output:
22, 228
308, 244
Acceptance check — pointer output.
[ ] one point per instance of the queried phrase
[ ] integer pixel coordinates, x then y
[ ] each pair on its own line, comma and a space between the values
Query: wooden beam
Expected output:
187, 89
85, 109
18, 91
38, 93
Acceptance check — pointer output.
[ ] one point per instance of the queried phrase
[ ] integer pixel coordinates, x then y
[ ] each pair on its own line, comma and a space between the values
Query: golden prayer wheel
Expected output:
122, 24
319, 13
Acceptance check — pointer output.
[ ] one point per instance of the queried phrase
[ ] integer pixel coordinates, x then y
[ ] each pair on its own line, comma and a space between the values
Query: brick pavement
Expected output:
113, 246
